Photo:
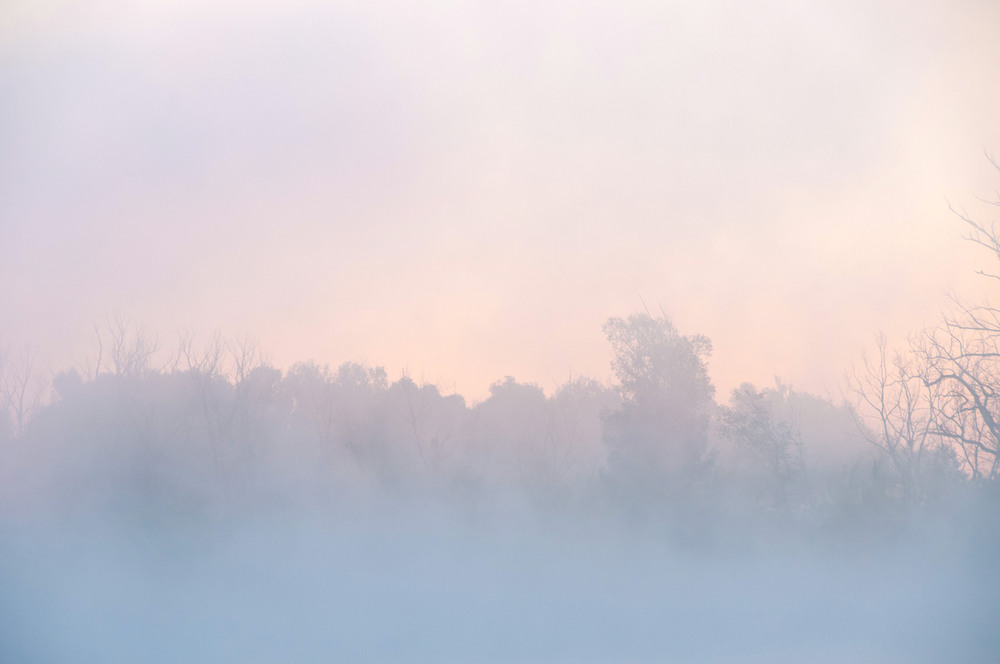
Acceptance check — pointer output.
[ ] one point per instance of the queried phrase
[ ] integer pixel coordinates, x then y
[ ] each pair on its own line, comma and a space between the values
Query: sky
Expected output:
461, 191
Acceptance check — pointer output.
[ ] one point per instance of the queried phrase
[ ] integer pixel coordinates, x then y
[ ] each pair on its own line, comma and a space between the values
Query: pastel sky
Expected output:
466, 190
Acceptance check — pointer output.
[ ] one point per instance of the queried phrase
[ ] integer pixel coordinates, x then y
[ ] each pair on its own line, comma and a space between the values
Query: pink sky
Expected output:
463, 191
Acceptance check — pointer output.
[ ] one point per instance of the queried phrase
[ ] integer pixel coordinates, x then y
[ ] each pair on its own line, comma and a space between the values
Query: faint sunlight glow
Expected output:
466, 190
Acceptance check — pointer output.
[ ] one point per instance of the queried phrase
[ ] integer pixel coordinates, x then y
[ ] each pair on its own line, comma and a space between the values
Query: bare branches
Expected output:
21, 390
959, 364
946, 394
124, 347
233, 360
204, 361
901, 406
245, 356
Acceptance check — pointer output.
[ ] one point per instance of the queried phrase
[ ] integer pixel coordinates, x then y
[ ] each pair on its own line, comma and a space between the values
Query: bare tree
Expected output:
961, 364
221, 372
246, 356
124, 347
943, 396
21, 390
901, 409
204, 361
982, 234
5, 424
249, 394
961, 370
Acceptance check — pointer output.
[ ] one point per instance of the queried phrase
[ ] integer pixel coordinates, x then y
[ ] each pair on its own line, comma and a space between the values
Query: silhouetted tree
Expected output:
511, 428
772, 443
943, 396
124, 348
961, 370
899, 416
426, 427
21, 391
578, 409
658, 441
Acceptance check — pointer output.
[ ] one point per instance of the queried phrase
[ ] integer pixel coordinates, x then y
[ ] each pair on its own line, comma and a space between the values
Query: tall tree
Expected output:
657, 441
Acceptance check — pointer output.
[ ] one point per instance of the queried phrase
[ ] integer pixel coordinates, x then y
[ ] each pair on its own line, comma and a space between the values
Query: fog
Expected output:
315, 591
499, 332
220, 509
464, 191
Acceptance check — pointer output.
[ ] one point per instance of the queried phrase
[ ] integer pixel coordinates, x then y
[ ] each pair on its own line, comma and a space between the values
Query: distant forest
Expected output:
218, 428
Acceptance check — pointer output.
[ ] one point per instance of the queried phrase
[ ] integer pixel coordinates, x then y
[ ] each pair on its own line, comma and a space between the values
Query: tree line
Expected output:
218, 424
